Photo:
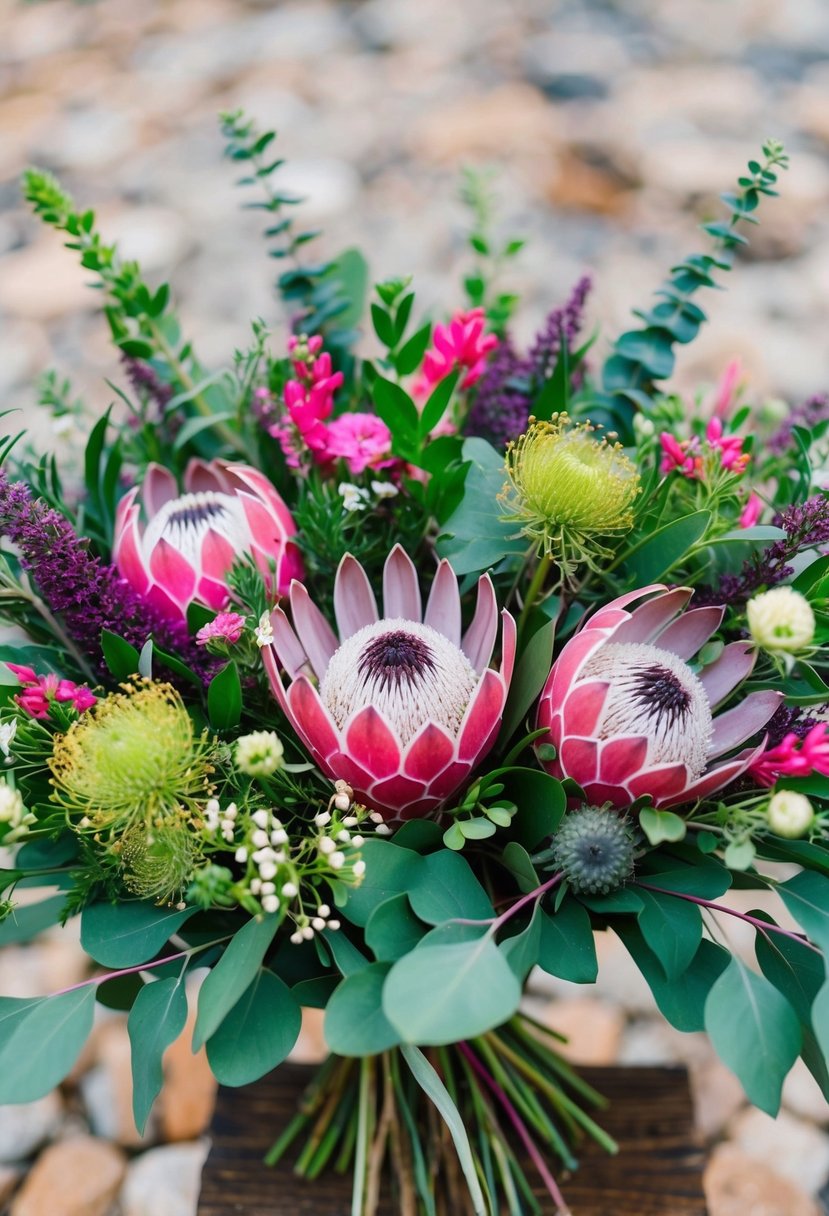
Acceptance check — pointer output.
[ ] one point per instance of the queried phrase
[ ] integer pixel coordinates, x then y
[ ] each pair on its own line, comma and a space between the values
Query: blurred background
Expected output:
612, 125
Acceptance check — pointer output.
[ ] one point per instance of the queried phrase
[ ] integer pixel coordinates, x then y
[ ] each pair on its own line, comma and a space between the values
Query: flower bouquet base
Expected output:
657, 1171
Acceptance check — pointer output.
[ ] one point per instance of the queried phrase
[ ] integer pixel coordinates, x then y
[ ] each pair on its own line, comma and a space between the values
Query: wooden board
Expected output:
658, 1171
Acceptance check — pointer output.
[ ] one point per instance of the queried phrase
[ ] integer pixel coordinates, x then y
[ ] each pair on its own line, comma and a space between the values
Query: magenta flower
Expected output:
189, 541
40, 691
309, 400
677, 455
460, 344
628, 716
794, 757
752, 511
404, 705
730, 447
363, 441
725, 392
225, 627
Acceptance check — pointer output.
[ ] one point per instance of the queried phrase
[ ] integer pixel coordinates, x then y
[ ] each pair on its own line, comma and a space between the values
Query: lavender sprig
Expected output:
808, 415
87, 595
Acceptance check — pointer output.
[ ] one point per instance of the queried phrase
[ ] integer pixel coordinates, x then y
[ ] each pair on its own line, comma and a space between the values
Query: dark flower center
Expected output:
194, 514
660, 692
396, 657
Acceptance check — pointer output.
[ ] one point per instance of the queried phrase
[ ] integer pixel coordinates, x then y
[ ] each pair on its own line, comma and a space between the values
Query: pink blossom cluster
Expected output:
794, 757
225, 627
461, 343
40, 691
362, 440
752, 511
686, 456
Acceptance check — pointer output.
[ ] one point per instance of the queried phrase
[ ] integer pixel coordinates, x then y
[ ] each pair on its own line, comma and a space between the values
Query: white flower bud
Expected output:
790, 814
322, 819
342, 802
333, 924
359, 868
267, 870
375, 817
279, 836
383, 829
781, 620
255, 886
259, 754
307, 933
289, 890
336, 861
323, 910
344, 836
357, 841
318, 923
350, 821
270, 903
260, 838
11, 805
326, 845
262, 819
268, 888
241, 855
232, 811
296, 938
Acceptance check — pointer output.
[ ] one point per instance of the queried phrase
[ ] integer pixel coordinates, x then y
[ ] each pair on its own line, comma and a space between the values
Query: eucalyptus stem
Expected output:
763, 925
533, 591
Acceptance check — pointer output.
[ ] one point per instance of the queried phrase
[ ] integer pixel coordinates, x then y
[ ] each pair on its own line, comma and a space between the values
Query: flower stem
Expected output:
158, 962
533, 591
764, 925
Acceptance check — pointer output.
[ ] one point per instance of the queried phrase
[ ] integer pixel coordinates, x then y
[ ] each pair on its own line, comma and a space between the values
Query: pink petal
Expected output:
726, 672
286, 644
314, 632
509, 634
159, 487
479, 640
612, 614
340, 767
254, 481
583, 707
173, 573
565, 670
667, 782
127, 552
271, 665
482, 713
428, 753
217, 555
289, 567
164, 604
312, 718
443, 609
421, 808
686, 635
264, 528
354, 602
211, 593
717, 777
599, 792
204, 477
449, 780
646, 620
401, 593
744, 720
372, 744
619, 759
397, 792
579, 759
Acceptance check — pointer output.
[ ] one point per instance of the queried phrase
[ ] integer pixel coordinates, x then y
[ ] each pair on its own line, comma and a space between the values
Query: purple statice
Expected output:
82, 591
793, 720
146, 382
807, 415
508, 387
806, 526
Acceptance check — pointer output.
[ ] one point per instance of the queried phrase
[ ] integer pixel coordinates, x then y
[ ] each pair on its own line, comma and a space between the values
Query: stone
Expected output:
164, 1181
9, 1178
43, 281
799, 1150
188, 1096
718, 1096
802, 1095
310, 1047
106, 1089
79, 1176
24, 1128
593, 1029
512, 117
736, 1184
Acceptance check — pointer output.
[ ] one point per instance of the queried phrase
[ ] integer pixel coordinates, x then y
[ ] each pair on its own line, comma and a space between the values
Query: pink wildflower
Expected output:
309, 400
460, 344
726, 389
225, 627
752, 511
362, 440
794, 757
686, 456
732, 456
40, 691
678, 455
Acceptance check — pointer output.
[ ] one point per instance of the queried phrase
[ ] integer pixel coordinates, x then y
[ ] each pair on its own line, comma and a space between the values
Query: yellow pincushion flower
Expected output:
567, 489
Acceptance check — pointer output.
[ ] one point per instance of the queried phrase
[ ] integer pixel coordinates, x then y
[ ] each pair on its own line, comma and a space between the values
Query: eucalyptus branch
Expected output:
755, 921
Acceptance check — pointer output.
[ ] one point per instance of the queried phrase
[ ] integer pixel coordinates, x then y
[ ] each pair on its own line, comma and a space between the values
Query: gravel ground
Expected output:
612, 125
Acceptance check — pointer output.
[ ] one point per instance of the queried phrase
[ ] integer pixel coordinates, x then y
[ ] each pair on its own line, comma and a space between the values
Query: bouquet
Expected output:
370, 682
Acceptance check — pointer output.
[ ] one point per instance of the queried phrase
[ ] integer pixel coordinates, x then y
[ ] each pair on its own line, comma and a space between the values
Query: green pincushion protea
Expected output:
594, 849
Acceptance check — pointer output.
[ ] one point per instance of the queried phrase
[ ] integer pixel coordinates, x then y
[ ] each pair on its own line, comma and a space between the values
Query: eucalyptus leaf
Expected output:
390, 870
393, 929
672, 927
232, 975
445, 888
265, 1025
40, 1040
658, 552
129, 932
567, 947
355, 1024
156, 1019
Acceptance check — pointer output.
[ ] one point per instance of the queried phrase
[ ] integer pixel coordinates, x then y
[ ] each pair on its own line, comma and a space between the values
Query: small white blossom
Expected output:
262, 819
12, 810
323, 819
260, 753
7, 732
375, 817
344, 836
350, 821
289, 890
384, 489
279, 836
232, 811
790, 814
354, 497
264, 630
357, 841
336, 861
326, 845
268, 888
781, 620
270, 903
359, 868
255, 886
267, 870
333, 924
342, 802
260, 838
296, 938
383, 829
241, 855
324, 910
318, 923
307, 933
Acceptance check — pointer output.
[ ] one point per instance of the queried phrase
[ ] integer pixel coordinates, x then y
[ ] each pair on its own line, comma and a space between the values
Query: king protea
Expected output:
629, 716
404, 705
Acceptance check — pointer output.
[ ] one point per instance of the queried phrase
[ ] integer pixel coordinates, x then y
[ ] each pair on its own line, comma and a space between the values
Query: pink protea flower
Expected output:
794, 757
40, 691
629, 717
460, 344
406, 705
363, 441
189, 541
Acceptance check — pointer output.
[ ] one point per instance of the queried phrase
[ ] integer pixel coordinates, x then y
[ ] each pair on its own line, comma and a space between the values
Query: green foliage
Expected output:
264, 1027
390, 870
129, 932
475, 537
444, 887
233, 974
157, 1018
40, 1040
492, 254
566, 947
355, 1024
224, 698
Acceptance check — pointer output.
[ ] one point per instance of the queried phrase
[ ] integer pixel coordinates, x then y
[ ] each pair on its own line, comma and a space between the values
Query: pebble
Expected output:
802, 1095
24, 1128
736, 1184
592, 1028
188, 1096
79, 1176
799, 1150
164, 1181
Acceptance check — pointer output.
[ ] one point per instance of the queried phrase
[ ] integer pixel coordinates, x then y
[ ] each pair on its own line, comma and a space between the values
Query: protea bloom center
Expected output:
405, 703
629, 716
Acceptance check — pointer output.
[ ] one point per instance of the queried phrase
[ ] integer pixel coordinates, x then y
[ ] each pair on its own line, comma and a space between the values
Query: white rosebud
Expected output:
357, 841
289, 890
260, 838
790, 814
323, 819
259, 754
324, 910
359, 868
270, 903
781, 620
318, 923
241, 855
333, 924
262, 819
326, 845
267, 870
12, 810
336, 861
342, 802
382, 829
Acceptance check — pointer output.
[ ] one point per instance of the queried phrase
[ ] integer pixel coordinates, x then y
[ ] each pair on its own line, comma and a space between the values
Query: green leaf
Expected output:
398, 411
807, 898
355, 1024
194, 426
441, 994
475, 537
435, 1090
347, 958
156, 1019
650, 347
24, 923
658, 552
531, 673
40, 1040
794, 969
567, 947
383, 326
224, 698
661, 826
264, 1027
445, 888
119, 655
130, 932
541, 803
706, 880
393, 929
519, 863
233, 974
436, 404
755, 1032
681, 1001
389, 871
411, 353
672, 927
522, 949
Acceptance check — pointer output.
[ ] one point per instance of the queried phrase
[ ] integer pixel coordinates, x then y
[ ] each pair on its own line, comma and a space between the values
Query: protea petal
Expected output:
619, 758
479, 640
428, 753
719, 776
738, 724
287, 646
725, 673
312, 718
354, 602
689, 633
585, 704
203, 477
484, 710
611, 615
401, 593
371, 744
217, 555
660, 783
173, 573
648, 619
579, 759
315, 634
158, 489
443, 608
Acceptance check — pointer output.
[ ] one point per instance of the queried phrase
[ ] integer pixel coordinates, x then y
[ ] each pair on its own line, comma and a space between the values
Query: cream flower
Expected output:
260, 753
781, 620
790, 814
